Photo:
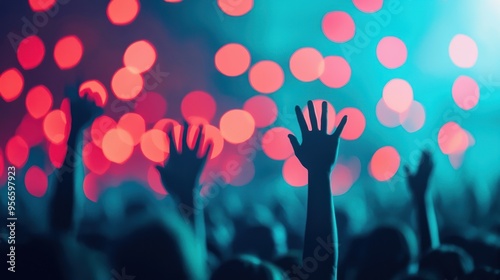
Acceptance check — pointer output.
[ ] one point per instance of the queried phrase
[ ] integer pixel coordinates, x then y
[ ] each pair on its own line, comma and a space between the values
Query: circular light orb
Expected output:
337, 72
338, 26
237, 126
232, 59
307, 64
398, 95
266, 76
391, 52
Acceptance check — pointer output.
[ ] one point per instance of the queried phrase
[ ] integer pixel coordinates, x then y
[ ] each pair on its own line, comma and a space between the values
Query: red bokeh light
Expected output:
463, 51
94, 159
151, 107
341, 179
276, 144
294, 173
337, 72
96, 90
38, 101
338, 26
465, 92
30, 52
356, 123
384, 163
126, 84
414, 118
54, 126
36, 181
368, 6
11, 84
134, 124
235, 8
155, 145
57, 154
91, 187
17, 151
139, 56
237, 126
117, 145
122, 12
263, 110
330, 117
391, 52
154, 181
232, 59
41, 5
99, 127
266, 76
164, 123
398, 95
31, 130
452, 139
68, 52
199, 104
307, 64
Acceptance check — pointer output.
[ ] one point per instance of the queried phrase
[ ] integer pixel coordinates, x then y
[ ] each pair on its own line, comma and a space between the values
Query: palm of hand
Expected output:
180, 173
318, 149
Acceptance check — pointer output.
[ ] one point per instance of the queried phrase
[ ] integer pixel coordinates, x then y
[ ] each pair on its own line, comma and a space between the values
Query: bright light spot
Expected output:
356, 123
41, 5
30, 52
391, 52
126, 84
31, 130
337, 72
57, 154
368, 6
96, 90
237, 126
338, 26
232, 59
117, 145
263, 110
200, 104
465, 92
36, 181
99, 127
155, 145
54, 126
91, 187
139, 56
11, 84
173, 1
17, 151
235, 8
154, 181
134, 124
266, 76
414, 118
94, 159
163, 124
384, 163
452, 139
330, 117
122, 12
276, 144
307, 64
294, 173
152, 107
68, 52
463, 51
38, 101
386, 116
398, 95
341, 179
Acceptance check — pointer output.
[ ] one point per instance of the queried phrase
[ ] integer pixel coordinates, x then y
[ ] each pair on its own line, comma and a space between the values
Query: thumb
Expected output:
294, 142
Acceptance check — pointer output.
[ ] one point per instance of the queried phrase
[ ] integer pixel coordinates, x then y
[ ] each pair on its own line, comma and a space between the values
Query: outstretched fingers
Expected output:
294, 142
199, 139
341, 126
301, 120
312, 116
170, 134
184, 140
324, 113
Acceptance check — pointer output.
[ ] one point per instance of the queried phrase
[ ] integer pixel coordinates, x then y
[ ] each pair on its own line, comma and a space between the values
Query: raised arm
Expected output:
318, 153
418, 183
83, 111
180, 175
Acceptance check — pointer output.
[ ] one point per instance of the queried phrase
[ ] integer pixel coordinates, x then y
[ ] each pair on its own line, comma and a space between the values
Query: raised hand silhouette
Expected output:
317, 154
418, 182
318, 149
180, 173
83, 109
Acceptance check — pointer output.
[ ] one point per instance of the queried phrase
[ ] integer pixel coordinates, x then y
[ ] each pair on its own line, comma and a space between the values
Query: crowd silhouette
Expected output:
180, 240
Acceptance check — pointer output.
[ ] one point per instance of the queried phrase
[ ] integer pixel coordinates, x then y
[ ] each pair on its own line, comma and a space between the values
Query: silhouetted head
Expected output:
264, 241
287, 262
385, 252
247, 268
447, 262
159, 250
